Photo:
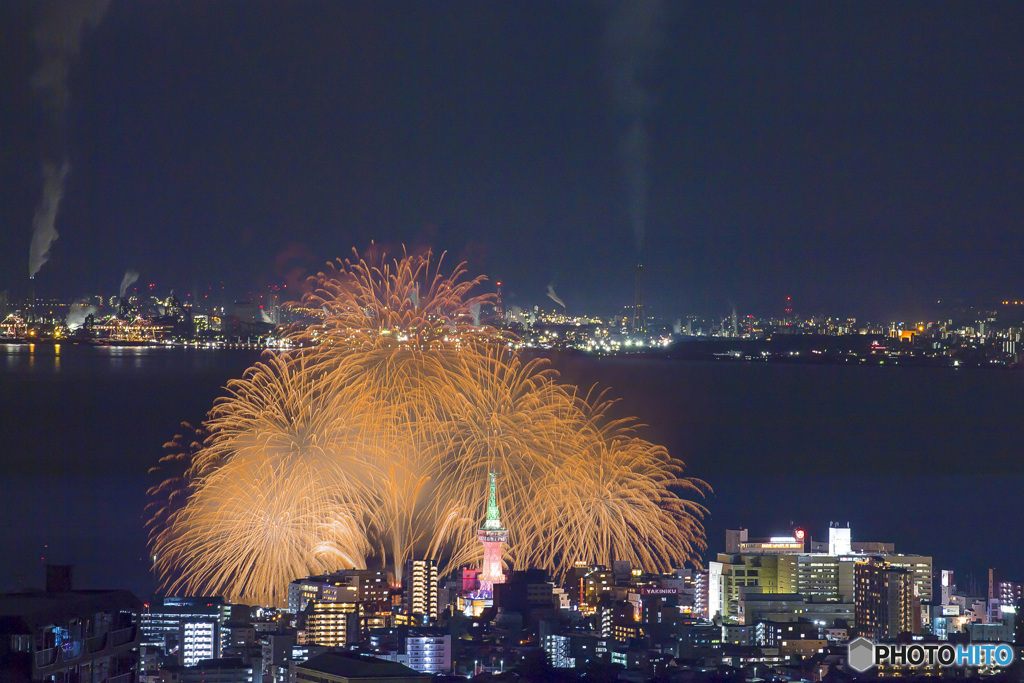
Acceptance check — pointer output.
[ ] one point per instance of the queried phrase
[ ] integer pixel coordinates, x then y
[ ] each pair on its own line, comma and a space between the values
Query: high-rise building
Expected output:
338, 587
329, 623
826, 574
738, 541
200, 640
839, 540
886, 604
948, 586
596, 584
920, 567
818, 576
731, 575
1010, 593
493, 535
788, 607
625, 627
556, 646
348, 585
700, 594
162, 621
420, 595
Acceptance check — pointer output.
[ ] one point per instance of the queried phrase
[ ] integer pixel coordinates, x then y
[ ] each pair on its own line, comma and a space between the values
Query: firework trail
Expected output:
371, 443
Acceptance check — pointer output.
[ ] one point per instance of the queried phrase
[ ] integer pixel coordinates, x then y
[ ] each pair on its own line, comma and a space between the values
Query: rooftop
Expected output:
356, 666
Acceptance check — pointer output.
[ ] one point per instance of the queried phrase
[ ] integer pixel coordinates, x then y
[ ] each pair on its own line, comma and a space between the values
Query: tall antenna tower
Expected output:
639, 325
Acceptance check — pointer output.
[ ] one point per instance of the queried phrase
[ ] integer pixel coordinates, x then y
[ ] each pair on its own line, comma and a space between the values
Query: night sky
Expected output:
865, 158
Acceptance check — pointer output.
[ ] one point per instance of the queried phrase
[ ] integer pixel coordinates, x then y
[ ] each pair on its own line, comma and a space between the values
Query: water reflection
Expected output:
45, 359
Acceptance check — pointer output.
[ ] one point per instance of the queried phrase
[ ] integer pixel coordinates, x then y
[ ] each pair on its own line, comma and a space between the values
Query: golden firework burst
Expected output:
373, 440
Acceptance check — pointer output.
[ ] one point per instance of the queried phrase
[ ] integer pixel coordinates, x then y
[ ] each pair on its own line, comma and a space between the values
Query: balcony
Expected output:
122, 636
95, 644
70, 650
46, 657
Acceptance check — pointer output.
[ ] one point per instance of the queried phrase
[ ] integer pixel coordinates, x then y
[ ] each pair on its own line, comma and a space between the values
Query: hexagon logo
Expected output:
862, 654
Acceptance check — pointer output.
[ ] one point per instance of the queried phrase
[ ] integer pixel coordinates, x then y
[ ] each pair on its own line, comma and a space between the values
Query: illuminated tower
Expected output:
492, 535
498, 305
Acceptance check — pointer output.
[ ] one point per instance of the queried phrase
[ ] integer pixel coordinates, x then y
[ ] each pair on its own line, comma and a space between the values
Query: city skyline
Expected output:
455, 337
860, 159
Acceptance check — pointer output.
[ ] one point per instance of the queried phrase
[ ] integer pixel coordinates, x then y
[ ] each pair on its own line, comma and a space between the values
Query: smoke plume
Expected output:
129, 279
633, 32
58, 39
79, 311
43, 231
554, 297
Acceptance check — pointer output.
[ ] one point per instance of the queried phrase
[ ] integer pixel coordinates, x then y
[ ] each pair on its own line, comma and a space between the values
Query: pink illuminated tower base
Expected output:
493, 536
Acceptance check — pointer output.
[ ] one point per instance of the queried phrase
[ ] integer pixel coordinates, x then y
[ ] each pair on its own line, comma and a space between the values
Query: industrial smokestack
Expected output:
639, 326
30, 314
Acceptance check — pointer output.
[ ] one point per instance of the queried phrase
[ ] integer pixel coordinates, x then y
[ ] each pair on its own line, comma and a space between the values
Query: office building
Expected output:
161, 620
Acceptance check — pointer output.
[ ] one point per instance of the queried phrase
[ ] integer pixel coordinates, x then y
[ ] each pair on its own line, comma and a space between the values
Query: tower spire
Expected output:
493, 520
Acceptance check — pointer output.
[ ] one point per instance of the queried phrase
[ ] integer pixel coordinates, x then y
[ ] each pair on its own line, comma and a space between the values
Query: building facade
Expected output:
420, 595
886, 605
